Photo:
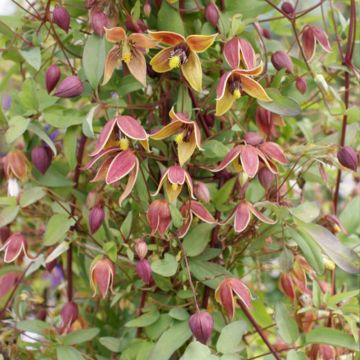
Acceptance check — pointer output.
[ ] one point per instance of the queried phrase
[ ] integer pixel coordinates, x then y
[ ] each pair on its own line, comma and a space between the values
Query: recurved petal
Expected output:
103, 170
201, 212
180, 116
141, 41
247, 53
322, 38
130, 184
255, 71
197, 134
189, 184
131, 127
106, 136
200, 43
221, 86
137, 66
242, 217
242, 291
224, 296
115, 34
160, 62
225, 103
111, 62
308, 41
186, 149
249, 160
101, 154
176, 175
261, 216
192, 71
232, 52
166, 37
184, 228
121, 165
254, 89
274, 152
229, 158
168, 130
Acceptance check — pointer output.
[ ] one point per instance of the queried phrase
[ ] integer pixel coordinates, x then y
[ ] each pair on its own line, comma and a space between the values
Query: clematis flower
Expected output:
242, 216
188, 210
188, 136
102, 274
14, 247
312, 35
129, 49
15, 164
118, 160
247, 157
173, 180
267, 121
226, 292
239, 52
182, 52
159, 216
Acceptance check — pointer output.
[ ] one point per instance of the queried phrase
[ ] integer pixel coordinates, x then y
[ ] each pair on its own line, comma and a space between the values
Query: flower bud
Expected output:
143, 269
301, 84
201, 325
266, 33
287, 8
96, 218
147, 9
253, 138
69, 314
281, 60
264, 120
141, 248
98, 22
212, 14
41, 157
14, 247
287, 286
70, 87
266, 177
201, 191
15, 164
159, 216
138, 26
52, 77
348, 158
61, 18
102, 275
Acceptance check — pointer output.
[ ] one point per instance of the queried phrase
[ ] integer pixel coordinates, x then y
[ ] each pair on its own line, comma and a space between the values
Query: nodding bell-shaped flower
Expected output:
188, 136
173, 180
201, 191
281, 60
112, 148
96, 218
239, 53
267, 121
348, 158
143, 269
227, 292
70, 87
15, 247
61, 18
102, 274
201, 324
69, 314
159, 216
15, 165
287, 286
188, 210
181, 52
242, 216
129, 49
312, 35
247, 157
41, 157
141, 248
52, 77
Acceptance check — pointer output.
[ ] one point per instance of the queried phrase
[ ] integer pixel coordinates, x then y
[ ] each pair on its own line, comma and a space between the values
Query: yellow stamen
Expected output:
174, 186
179, 138
124, 144
337, 228
236, 166
236, 93
329, 265
174, 62
126, 53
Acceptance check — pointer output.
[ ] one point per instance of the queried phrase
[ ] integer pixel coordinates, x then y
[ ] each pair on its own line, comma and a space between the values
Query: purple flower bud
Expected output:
70, 87
41, 158
147, 9
41, 315
266, 33
98, 22
348, 158
281, 60
143, 270
201, 325
301, 84
253, 138
6, 102
201, 191
287, 8
212, 14
52, 77
266, 177
138, 26
61, 18
69, 314
141, 248
96, 218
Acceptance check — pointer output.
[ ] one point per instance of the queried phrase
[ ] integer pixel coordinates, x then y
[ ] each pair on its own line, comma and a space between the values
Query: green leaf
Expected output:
286, 324
36, 129
307, 211
110, 249
17, 126
222, 196
127, 84
127, 224
31, 196
94, 59
171, 340
230, 339
52, 178
350, 216
32, 57
214, 149
197, 239
80, 336
68, 353
35, 326
113, 344
183, 103
325, 335
248, 8
280, 104
70, 144
56, 229
344, 257
340, 297
8, 214
178, 313
295, 355
176, 216
165, 267
169, 19
144, 320
197, 351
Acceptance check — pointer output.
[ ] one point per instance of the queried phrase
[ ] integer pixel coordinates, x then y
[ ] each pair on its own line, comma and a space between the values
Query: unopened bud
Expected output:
141, 248
348, 158
287, 8
96, 218
253, 138
201, 325
52, 77
266, 33
281, 60
70, 87
159, 216
102, 275
143, 269
287, 286
301, 84
212, 14
201, 191
135, 26
69, 314
147, 9
61, 18
98, 22
266, 177
41, 157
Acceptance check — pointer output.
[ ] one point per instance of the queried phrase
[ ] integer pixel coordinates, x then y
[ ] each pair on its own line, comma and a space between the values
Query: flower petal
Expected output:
101, 154
103, 170
121, 165
106, 137
112, 60
308, 41
231, 52
186, 149
242, 217
160, 62
180, 116
131, 127
322, 38
189, 184
247, 54
242, 291
166, 37
192, 71
225, 103
184, 228
168, 130
13, 247
273, 151
254, 89
137, 66
201, 212
249, 160
176, 175
261, 216
221, 86
228, 159
131, 182
163, 178
224, 296
200, 43
115, 34
253, 72
141, 41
